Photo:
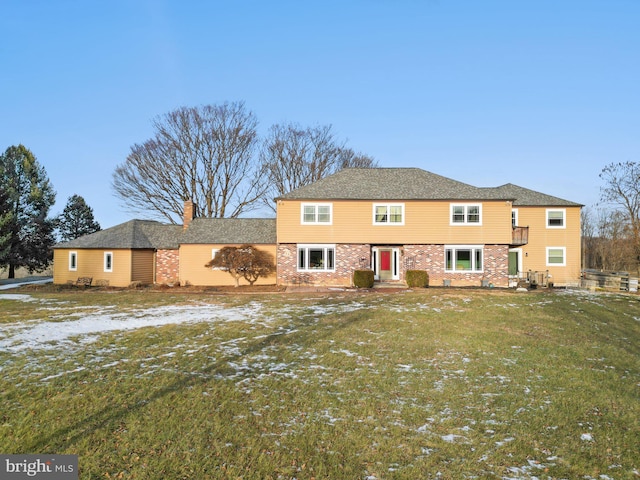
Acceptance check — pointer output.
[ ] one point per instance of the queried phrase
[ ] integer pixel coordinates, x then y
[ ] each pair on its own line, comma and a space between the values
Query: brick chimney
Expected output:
189, 213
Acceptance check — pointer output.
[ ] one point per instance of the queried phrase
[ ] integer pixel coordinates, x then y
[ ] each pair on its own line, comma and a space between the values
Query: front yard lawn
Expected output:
436, 383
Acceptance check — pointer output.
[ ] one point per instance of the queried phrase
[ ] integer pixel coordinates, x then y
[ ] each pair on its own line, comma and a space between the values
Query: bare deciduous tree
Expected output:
589, 239
293, 156
613, 250
204, 154
606, 242
622, 190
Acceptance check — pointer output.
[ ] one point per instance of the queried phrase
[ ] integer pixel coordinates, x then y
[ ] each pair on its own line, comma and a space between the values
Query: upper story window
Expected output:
556, 217
73, 261
388, 214
466, 214
317, 213
108, 261
514, 217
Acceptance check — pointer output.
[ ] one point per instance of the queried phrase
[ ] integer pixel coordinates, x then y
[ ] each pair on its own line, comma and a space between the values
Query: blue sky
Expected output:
538, 93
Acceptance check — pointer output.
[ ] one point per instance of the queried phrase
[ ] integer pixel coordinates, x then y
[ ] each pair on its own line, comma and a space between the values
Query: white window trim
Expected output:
466, 214
564, 257
107, 255
214, 252
388, 205
564, 217
473, 259
316, 205
514, 217
307, 247
73, 254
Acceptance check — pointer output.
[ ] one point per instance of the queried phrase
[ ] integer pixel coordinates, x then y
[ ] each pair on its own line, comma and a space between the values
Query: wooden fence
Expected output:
619, 281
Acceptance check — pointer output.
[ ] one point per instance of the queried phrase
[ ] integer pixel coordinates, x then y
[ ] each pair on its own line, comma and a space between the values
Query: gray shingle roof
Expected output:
384, 184
525, 197
231, 231
347, 184
134, 234
412, 184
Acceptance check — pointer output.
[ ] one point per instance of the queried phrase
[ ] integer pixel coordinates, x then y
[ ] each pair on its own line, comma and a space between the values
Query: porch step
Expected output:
389, 285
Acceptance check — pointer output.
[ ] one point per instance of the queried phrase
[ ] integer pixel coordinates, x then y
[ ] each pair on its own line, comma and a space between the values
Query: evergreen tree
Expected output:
26, 234
76, 219
5, 219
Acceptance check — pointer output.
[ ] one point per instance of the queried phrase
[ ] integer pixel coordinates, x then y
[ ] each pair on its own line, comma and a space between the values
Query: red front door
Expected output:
385, 260
386, 263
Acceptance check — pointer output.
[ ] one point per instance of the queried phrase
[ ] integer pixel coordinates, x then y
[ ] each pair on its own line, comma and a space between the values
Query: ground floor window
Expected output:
108, 261
73, 261
463, 258
556, 256
214, 252
316, 257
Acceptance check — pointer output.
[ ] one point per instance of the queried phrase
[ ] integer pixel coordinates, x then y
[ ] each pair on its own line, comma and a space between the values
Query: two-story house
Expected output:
397, 219
388, 219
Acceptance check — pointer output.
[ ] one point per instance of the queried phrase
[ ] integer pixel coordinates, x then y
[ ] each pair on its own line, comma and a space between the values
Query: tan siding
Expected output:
425, 222
61, 272
142, 262
541, 237
193, 272
91, 264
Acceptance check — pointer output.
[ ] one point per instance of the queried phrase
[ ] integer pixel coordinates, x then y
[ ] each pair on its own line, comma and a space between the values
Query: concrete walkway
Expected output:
8, 283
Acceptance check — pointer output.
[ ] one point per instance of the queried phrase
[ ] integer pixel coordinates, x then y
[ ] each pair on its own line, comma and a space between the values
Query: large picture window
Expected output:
463, 258
463, 214
316, 213
316, 257
555, 218
388, 214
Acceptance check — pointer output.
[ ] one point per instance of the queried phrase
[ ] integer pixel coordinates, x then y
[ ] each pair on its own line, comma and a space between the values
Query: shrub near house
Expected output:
245, 261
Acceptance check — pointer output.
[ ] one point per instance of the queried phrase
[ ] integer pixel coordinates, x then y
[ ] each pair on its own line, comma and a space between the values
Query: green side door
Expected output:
513, 263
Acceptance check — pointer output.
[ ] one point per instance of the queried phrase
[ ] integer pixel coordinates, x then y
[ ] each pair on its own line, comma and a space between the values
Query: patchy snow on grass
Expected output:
86, 327
526, 471
18, 297
452, 438
586, 437
346, 352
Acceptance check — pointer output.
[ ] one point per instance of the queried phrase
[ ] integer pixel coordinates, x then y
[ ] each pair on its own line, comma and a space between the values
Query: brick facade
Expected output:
349, 257
431, 259
167, 266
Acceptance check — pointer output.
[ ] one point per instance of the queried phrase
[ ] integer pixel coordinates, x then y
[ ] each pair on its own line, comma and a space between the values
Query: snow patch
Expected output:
17, 337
